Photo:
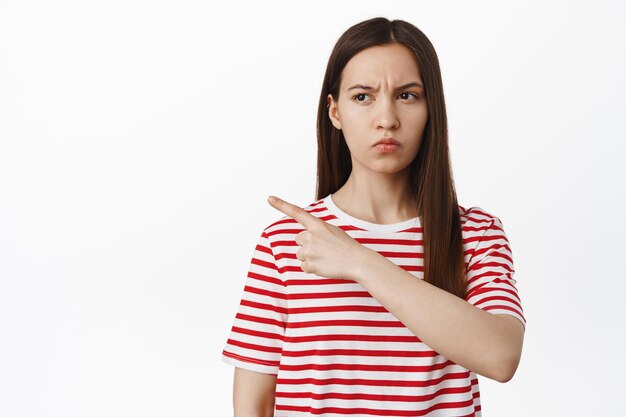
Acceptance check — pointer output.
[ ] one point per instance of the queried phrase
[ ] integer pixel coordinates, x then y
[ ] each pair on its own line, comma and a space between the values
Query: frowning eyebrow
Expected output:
367, 87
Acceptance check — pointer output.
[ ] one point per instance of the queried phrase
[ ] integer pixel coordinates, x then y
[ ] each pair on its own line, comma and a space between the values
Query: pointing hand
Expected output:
325, 249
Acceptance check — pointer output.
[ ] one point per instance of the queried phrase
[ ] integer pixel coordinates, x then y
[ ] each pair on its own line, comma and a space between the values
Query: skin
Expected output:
253, 393
376, 191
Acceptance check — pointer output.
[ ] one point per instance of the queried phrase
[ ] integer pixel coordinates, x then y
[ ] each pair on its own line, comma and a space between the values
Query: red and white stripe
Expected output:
335, 350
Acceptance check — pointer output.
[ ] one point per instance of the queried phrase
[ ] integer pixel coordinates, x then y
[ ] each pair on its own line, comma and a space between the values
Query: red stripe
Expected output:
262, 248
336, 294
493, 263
267, 293
373, 397
263, 306
263, 320
486, 288
359, 352
396, 254
257, 333
321, 281
264, 264
352, 337
469, 282
503, 308
476, 210
493, 247
362, 367
294, 268
328, 309
253, 346
498, 298
265, 278
249, 359
387, 241
474, 229
374, 412
362, 323
372, 382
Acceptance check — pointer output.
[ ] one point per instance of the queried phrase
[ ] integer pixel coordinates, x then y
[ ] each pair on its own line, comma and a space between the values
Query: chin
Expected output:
389, 168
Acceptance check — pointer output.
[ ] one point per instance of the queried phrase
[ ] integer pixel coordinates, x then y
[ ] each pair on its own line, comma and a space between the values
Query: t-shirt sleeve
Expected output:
490, 285
256, 338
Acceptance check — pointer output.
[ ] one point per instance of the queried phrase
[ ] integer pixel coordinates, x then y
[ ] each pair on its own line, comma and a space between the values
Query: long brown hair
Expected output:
430, 177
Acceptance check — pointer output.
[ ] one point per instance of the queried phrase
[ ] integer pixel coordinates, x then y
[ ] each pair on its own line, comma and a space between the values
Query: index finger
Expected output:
303, 217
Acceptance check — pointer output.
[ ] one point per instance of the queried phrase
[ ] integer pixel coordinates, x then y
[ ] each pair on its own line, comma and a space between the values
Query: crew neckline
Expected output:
374, 227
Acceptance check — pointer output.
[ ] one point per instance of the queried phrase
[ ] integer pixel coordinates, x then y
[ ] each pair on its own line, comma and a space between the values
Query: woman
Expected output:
383, 296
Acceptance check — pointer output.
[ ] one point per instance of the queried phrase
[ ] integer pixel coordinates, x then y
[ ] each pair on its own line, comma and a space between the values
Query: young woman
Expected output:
383, 297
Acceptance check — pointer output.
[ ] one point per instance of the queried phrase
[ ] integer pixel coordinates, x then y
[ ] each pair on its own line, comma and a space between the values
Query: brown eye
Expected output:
359, 95
414, 95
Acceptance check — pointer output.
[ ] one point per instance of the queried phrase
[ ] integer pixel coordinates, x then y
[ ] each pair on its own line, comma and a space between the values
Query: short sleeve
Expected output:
256, 338
490, 285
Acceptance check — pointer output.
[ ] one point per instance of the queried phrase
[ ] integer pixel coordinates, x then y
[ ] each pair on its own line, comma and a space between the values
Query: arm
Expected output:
253, 393
476, 339
485, 343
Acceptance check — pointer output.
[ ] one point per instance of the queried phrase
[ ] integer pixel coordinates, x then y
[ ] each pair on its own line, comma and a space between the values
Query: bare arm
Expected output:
253, 393
485, 343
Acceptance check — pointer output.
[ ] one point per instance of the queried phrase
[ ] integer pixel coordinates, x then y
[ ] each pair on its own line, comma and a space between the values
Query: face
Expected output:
381, 95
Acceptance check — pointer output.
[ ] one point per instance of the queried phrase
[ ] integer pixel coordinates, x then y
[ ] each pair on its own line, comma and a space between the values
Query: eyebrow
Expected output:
367, 87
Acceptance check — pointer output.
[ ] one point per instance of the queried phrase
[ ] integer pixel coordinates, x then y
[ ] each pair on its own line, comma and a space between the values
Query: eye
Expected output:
417, 96
359, 95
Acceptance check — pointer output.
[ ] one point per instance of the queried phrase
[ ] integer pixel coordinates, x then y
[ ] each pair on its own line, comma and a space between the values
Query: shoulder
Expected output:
286, 226
478, 217
482, 232
280, 234
480, 227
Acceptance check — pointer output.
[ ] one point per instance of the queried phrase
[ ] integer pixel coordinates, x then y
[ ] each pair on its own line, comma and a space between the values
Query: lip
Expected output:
387, 141
386, 148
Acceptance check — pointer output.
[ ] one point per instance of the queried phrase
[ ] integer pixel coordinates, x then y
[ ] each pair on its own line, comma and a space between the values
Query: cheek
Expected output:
355, 131
351, 117
416, 116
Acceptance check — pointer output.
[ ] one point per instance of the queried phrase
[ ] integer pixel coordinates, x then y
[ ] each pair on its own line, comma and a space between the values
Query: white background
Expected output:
139, 141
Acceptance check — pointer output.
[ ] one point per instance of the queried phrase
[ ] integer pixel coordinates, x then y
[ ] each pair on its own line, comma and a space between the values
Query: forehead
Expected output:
394, 63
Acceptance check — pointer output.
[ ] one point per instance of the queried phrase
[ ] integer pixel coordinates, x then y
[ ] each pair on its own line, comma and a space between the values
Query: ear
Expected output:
333, 111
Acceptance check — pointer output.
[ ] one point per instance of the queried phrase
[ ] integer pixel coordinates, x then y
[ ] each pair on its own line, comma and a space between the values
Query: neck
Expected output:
377, 198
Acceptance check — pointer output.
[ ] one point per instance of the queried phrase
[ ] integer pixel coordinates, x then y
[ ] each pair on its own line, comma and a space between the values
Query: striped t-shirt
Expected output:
335, 350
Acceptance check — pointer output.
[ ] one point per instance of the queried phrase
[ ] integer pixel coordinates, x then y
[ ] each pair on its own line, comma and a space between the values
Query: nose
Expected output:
387, 116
